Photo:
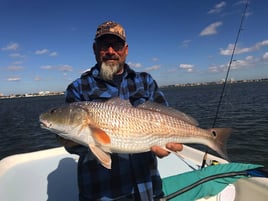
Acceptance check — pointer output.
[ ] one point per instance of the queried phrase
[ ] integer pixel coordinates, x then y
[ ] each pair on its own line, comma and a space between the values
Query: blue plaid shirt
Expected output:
132, 175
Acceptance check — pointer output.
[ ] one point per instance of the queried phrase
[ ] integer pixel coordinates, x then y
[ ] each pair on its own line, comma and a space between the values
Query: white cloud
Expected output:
265, 56
211, 29
47, 67
236, 64
43, 51
241, 63
11, 46
37, 78
217, 8
13, 79
228, 51
18, 62
46, 51
135, 65
216, 69
53, 54
188, 67
155, 59
15, 68
64, 68
185, 43
16, 55
172, 70
152, 68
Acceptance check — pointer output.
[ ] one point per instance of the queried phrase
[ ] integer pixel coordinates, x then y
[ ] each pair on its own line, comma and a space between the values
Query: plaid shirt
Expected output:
132, 175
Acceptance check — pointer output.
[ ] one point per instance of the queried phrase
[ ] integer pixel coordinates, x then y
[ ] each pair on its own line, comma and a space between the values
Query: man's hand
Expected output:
66, 143
160, 152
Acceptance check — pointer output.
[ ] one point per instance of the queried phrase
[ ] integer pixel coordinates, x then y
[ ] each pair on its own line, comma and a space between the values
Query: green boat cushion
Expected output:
208, 188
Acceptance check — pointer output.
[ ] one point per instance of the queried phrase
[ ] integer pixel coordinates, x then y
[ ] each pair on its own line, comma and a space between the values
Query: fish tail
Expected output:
220, 136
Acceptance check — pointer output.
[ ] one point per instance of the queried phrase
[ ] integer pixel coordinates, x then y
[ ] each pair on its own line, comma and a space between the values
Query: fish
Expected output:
115, 126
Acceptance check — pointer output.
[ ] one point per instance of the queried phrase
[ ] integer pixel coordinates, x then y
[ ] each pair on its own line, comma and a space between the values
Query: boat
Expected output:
189, 175
51, 175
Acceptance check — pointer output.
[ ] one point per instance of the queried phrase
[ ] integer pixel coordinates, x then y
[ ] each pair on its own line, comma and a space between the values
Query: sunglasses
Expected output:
116, 45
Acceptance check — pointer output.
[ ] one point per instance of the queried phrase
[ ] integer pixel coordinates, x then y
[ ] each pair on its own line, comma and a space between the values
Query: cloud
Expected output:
230, 47
15, 68
210, 29
187, 67
47, 67
43, 51
185, 43
16, 55
13, 79
46, 52
63, 68
155, 59
241, 63
172, 70
135, 65
11, 46
53, 54
152, 68
236, 64
217, 8
37, 78
18, 62
265, 56
217, 68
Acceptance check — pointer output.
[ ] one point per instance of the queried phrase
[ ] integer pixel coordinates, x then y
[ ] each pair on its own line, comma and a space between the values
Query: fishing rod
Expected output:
227, 74
230, 64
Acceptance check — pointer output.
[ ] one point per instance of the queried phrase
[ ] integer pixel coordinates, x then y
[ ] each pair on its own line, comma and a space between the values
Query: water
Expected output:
244, 108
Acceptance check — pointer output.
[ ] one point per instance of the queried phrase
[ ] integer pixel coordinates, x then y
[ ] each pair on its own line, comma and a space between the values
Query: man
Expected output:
132, 176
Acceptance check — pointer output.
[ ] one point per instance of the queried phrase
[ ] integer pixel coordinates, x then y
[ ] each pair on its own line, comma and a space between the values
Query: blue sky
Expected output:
44, 45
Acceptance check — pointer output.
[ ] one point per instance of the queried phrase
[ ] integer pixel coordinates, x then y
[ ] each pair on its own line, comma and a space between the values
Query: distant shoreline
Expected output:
32, 95
214, 83
48, 93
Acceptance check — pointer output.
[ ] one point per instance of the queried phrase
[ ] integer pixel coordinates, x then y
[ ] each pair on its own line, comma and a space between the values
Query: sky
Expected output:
46, 44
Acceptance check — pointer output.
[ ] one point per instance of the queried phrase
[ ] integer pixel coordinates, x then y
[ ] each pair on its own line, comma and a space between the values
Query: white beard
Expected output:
108, 70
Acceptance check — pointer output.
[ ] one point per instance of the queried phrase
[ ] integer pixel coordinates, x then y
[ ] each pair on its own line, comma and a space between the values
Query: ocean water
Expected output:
244, 108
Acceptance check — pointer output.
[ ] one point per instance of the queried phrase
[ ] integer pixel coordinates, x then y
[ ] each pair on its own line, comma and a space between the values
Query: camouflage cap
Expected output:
112, 28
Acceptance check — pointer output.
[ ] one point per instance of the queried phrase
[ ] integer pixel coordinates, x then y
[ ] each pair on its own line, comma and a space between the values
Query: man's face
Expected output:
111, 53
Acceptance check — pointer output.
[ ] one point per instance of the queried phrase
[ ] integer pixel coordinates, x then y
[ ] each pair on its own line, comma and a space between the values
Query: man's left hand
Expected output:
160, 152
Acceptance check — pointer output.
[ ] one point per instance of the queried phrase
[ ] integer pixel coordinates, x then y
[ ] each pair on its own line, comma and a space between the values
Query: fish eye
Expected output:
52, 111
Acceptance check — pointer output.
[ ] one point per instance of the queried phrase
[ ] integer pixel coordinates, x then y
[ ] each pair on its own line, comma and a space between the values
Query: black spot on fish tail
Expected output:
214, 134
220, 136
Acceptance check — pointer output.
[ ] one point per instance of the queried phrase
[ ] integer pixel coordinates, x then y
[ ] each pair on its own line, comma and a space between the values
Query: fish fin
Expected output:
100, 136
156, 107
103, 157
220, 137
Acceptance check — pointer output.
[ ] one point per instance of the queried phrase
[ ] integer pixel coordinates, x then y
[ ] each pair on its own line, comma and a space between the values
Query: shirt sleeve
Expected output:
157, 94
150, 90
72, 92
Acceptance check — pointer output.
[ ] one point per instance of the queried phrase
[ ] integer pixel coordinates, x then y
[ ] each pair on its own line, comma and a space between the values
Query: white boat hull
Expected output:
51, 175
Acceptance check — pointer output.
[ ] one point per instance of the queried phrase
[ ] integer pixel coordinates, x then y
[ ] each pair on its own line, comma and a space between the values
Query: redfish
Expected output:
115, 126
